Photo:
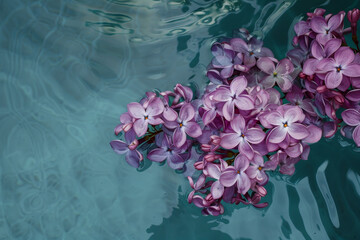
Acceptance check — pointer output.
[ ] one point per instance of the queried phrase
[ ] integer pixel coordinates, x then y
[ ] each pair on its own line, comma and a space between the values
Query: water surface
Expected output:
67, 70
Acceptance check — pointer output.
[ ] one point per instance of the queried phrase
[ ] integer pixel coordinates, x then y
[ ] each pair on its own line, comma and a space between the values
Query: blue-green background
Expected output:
67, 70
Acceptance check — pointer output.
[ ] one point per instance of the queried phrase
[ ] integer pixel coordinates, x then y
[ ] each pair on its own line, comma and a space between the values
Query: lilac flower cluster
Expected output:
330, 68
257, 114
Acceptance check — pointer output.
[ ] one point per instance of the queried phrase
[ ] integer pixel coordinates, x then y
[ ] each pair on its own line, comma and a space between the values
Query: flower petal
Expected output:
243, 183
344, 56
285, 66
136, 110
193, 129
175, 161
238, 124
228, 177
170, 114
298, 131
179, 137
351, 117
238, 85
140, 127
274, 118
353, 95
333, 79
222, 95
230, 140
352, 70
119, 147
228, 110
157, 155
133, 158
295, 150
213, 170
277, 134
217, 190
266, 65
255, 135
356, 135
318, 24
244, 102
246, 149
294, 114
155, 107
187, 112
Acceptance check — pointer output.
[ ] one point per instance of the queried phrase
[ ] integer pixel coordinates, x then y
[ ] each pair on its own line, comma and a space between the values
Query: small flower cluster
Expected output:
257, 114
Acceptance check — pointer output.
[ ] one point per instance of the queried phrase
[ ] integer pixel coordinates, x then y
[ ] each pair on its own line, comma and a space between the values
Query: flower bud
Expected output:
353, 17
206, 147
215, 139
199, 165
261, 191
321, 89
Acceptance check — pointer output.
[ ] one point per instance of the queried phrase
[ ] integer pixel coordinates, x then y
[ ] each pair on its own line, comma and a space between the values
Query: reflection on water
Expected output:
67, 70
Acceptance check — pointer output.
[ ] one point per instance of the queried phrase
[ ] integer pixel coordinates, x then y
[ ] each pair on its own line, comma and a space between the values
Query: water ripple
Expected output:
325, 191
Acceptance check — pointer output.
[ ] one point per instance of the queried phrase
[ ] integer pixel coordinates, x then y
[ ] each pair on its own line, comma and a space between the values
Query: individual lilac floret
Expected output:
227, 60
242, 136
167, 151
145, 116
250, 50
281, 74
132, 156
257, 169
287, 121
352, 118
341, 64
325, 29
296, 97
232, 96
236, 174
319, 52
184, 124
214, 171
209, 207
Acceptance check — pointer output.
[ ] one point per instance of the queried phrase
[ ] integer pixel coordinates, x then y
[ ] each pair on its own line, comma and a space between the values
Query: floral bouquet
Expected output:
257, 114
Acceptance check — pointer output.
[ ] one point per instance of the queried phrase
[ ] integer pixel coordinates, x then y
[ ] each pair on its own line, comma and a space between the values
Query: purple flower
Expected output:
132, 156
279, 74
352, 118
257, 169
242, 136
250, 50
232, 96
320, 52
340, 65
209, 207
214, 171
167, 151
226, 60
236, 174
199, 186
182, 92
184, 124
325, 29
286, 119
296, 97
147, 115
169, 114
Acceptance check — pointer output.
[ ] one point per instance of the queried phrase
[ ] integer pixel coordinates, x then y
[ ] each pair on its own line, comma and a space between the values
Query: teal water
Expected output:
67, 70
